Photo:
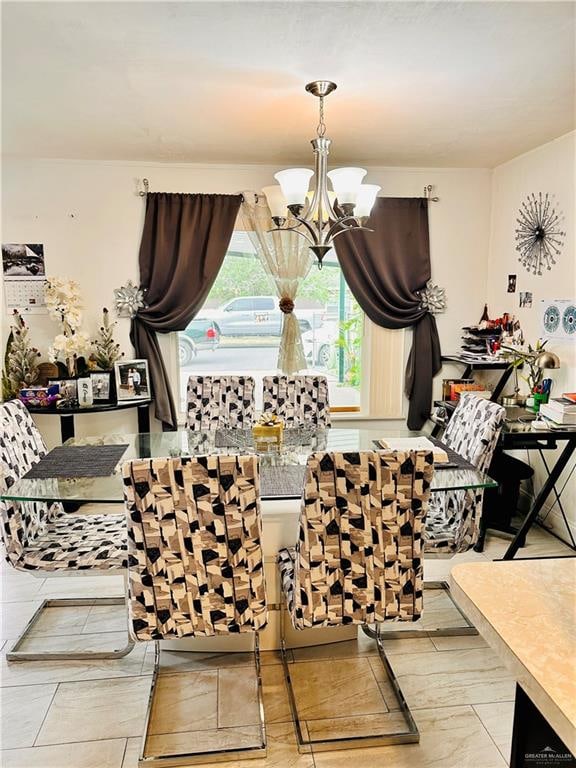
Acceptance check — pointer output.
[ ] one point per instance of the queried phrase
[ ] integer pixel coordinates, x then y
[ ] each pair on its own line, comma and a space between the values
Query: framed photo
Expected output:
67, 389
102, 386
132, 380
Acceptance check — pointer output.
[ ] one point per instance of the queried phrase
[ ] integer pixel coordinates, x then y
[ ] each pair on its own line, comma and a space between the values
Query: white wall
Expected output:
548, 169
89, 217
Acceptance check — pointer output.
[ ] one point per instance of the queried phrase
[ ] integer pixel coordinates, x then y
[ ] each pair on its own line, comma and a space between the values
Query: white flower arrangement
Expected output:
64, 304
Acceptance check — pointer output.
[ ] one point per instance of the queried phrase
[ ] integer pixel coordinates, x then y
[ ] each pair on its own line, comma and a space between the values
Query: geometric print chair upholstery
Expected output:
298, 400
40, 536
454, 517
358, 559
195, 562
359, 554
215, 402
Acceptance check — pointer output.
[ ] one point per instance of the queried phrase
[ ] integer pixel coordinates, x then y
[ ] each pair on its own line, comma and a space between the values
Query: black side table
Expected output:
67, 414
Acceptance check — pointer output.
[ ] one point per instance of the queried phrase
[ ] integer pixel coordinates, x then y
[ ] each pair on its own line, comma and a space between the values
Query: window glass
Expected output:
244, 337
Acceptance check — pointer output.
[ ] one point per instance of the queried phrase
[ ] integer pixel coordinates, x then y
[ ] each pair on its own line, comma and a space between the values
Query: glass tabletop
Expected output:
297, 445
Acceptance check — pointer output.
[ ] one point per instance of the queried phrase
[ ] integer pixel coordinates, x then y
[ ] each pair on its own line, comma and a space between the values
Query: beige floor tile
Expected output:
282, 752
336, 688
355, 727
92, 754
459, 643
184, 702
452, 737
474, 676
238, 697
132, 752
87, 586
498, 719
23, 712
61, 621
15, 616
207, 740
18, 591
182, 661
106, 618
96, 710
107, 641
70, 671
276, 706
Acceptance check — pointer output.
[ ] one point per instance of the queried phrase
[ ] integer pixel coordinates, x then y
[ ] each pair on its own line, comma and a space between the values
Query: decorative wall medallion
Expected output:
569, 320
128, 300
539, 234
551, 319
433, 298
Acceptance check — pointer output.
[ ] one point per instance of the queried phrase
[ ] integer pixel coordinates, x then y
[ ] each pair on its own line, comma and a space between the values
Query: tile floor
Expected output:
91, 714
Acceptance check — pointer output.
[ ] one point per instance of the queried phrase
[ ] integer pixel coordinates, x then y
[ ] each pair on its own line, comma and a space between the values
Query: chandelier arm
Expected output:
296, 231
315, 233
350, 229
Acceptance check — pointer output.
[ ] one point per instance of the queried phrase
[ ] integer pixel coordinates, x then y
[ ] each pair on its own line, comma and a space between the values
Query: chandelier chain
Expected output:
321, 129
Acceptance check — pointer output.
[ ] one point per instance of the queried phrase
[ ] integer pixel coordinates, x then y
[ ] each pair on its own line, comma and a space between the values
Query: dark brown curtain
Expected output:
384, 269
184, 242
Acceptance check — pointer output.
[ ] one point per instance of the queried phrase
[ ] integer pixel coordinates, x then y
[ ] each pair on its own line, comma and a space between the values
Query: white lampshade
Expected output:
276, 201
314, 214
365, 199
294, 183
346, 182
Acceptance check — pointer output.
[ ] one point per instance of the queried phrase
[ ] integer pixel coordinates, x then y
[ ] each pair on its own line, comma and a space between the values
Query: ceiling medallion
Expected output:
322, 214
128, 300
539, 235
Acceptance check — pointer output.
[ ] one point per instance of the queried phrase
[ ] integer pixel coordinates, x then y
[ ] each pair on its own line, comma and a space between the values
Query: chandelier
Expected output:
321, 215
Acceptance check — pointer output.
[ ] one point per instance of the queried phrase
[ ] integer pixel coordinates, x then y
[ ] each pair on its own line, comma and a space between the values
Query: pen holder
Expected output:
539, 398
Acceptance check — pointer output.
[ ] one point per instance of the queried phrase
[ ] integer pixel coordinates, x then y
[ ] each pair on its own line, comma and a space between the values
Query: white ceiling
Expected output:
419, 83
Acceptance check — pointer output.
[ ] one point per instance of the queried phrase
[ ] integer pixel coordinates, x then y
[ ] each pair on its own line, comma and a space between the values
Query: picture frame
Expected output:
102, 387
132, 380
67, 389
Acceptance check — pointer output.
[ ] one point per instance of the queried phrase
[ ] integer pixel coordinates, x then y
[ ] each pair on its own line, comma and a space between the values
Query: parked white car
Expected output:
257, 316
320, 344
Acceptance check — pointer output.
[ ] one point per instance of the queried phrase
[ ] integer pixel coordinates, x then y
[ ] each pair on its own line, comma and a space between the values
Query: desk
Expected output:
526, 610
67, 414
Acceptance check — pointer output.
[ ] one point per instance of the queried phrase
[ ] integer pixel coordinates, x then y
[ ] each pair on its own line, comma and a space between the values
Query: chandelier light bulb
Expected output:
294, 183
276, 201
346, 183
365, 199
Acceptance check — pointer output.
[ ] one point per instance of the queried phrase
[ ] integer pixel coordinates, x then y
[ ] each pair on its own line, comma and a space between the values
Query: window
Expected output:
238, 328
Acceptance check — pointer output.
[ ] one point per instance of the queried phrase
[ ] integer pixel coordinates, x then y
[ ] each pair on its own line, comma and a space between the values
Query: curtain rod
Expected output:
428, 189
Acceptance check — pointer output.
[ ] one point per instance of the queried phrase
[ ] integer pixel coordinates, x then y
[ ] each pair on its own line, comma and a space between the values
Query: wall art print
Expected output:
539, 232
558, 319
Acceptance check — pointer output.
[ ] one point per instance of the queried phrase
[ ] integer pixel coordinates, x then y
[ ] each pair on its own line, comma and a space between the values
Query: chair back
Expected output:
21, 446
359, 554
219, 402
195, 558
298, 400
474, 429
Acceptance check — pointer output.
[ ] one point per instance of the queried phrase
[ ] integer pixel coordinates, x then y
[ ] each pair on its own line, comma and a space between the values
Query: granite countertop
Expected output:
526, 610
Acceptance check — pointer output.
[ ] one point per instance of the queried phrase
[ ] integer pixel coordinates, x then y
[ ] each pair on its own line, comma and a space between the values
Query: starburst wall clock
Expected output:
539, 233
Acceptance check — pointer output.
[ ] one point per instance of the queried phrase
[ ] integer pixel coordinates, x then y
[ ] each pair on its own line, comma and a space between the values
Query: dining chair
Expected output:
41, 539
214, 402
358, 560
298, 400
195, 566
453, 523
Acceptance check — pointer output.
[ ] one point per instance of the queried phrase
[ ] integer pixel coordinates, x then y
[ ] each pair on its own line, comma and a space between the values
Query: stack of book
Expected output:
560, 412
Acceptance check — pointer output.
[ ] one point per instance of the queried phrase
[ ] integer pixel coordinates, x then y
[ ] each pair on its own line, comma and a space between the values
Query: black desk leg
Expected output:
66, 426
501, 384
144, 418
545, 491
534, 743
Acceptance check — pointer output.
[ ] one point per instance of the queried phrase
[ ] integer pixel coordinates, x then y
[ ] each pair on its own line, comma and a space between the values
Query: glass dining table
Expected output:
281, 467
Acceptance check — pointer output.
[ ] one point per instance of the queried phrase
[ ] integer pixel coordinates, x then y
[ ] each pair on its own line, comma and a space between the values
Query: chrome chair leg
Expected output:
396, 634
408, 735
15, 654
166, 760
